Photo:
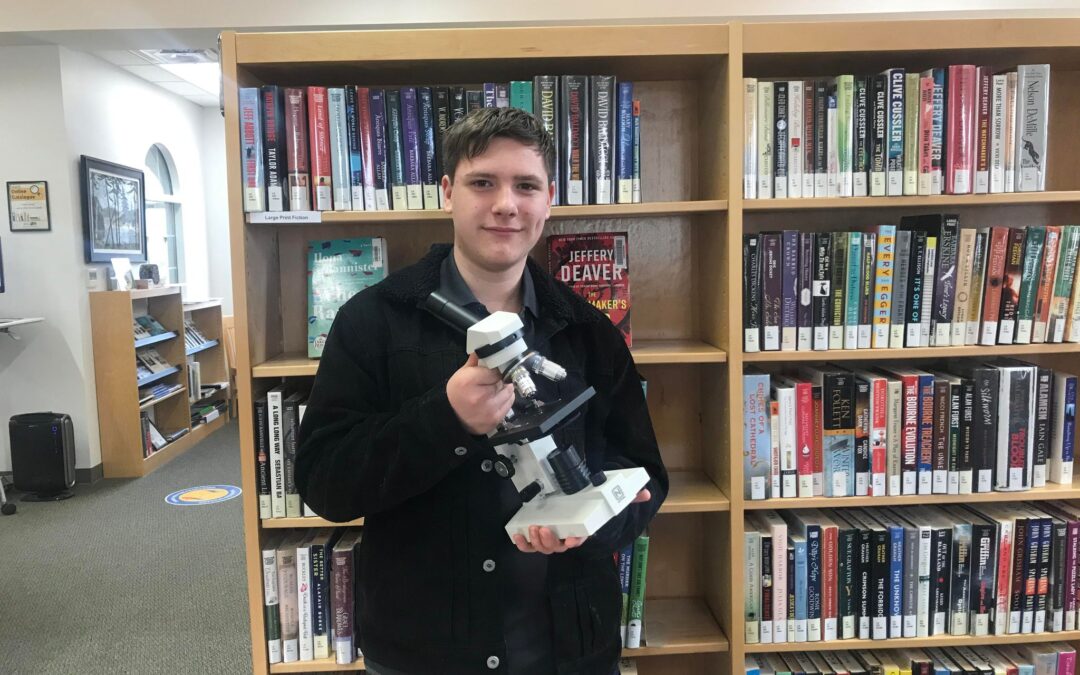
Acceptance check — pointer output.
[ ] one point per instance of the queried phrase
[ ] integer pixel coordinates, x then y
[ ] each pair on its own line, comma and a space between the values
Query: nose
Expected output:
505, 204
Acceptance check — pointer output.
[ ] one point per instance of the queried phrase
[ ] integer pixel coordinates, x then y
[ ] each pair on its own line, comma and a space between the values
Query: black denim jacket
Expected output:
380, 440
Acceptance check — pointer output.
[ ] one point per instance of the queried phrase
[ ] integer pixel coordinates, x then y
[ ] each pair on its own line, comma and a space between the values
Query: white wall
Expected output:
50, 368
60, 104
216, 193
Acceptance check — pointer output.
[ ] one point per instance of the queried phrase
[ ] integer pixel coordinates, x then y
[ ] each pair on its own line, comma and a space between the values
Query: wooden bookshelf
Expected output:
119, 426
916, 643
686, 245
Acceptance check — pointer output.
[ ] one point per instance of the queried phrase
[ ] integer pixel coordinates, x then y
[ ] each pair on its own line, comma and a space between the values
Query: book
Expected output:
338, 269
596, 266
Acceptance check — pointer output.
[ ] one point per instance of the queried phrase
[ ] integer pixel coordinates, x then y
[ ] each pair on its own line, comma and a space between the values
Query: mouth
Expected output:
502, 230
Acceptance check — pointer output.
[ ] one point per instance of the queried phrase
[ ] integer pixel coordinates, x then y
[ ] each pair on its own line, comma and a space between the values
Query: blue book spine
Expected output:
624, 173
410, 113
801, 583
356, 162
489, 95
813, 583
378, 131
1068, 435
896, 581
251, 141
853, 292
926, 434
429, 177
757, 437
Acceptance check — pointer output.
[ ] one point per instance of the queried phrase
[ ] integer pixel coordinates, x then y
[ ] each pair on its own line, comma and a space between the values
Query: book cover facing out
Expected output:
337, 270
596, 266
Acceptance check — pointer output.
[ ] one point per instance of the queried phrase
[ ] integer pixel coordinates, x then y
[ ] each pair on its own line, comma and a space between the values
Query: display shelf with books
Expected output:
141, 377
806, 417
676, 240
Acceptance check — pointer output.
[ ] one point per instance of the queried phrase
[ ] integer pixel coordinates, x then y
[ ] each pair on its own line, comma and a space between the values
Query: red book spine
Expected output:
1010, 286
818, 452
983, 77
319, 135
879, 394
909, 444
959, 130
804, 437
829, 580
296, 150
926, 133
1004, 579
995, 271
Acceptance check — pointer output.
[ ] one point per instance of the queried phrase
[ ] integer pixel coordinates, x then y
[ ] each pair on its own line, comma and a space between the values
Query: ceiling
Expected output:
135, 64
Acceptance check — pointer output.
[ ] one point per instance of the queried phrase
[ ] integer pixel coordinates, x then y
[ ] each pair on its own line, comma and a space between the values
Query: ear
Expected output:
447, 189
550, 199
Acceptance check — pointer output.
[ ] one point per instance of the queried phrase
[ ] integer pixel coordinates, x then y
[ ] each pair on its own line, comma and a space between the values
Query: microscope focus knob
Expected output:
530, 491
504, 468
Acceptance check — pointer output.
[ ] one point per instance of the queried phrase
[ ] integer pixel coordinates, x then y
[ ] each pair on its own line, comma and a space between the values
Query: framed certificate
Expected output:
28, 206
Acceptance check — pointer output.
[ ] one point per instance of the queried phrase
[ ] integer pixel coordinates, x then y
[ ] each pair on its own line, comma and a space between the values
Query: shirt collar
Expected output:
454, 288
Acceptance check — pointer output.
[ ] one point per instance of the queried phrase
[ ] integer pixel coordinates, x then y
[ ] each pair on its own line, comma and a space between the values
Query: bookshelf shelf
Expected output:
144, 293
934, 201
913, 353
592, 212
914, 643
317, 666
202, 348
296, 364
154, 339
150, 379
181, 445
166, 397
313, 521
1050, 492
679, 626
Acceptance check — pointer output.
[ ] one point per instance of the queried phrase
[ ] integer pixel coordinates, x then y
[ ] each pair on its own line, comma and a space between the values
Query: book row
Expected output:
193, 337
911, 572
925, 283
369, 149
152, 438
145, 326
1055, 658
595, 265
896, 430
960, 129
277, 426
632, 563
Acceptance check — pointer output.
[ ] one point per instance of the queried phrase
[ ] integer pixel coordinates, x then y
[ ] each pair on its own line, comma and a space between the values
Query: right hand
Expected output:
479, 397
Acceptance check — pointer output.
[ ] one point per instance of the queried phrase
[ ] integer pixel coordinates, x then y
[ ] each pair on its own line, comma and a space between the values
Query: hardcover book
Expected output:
596, 266
337, 270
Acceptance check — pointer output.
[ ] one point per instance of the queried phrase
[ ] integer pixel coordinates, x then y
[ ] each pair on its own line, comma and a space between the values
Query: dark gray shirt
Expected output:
527, 628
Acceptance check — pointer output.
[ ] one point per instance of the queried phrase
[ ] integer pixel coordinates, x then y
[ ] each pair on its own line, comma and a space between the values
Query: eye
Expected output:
528, 186
481, 183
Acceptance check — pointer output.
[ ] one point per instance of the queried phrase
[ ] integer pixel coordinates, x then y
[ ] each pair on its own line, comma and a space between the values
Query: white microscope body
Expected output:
557, 490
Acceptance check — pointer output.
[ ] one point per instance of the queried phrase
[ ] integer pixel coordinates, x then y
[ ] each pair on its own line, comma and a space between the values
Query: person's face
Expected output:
499, 201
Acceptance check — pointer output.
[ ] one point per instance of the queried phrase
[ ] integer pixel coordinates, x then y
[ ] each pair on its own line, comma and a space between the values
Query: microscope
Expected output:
556, 488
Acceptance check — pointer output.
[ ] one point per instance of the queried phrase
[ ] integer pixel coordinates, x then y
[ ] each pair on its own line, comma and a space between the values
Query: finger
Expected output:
473, 360
642, 496
523, 545
550, 542
573, 542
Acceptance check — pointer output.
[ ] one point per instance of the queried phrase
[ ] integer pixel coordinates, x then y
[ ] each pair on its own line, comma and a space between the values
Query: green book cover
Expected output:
911, 133
1029, 282
636, 618
845, 113
521, 95
337, 270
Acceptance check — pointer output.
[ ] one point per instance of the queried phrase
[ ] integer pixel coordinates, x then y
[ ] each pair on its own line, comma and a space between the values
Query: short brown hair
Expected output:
469, 137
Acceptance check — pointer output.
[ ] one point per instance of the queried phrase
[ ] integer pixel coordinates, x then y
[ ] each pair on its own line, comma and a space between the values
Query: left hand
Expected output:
543, 540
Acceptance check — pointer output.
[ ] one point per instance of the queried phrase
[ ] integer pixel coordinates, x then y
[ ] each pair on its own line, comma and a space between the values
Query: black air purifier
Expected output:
42, 455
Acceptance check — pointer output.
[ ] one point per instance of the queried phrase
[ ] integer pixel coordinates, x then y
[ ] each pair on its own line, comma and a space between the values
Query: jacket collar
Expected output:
413, 284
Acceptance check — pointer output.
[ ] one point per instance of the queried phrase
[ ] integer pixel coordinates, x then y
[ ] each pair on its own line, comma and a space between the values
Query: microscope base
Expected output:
583, 513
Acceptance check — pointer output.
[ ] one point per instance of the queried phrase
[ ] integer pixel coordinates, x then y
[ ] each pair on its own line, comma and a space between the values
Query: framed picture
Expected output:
1, 271
113, 210
28, 206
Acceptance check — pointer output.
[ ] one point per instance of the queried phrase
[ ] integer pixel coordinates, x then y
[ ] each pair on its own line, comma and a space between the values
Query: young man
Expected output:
395, 431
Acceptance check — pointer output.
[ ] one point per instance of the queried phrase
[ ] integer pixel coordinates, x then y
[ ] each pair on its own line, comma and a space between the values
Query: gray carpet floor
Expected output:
114, 580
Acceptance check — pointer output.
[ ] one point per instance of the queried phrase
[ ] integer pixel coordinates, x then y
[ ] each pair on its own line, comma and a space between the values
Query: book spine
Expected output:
277, 456
575, 145
814, 580
853, 291
981, 603
868, 283
926, 434
1072, 566
752, 572
303, 600
940, 579
862, 437
821, 290
926, 132
1041, 431
898, 320
367, 145
1033, 106
319, 137
274, 147
1002, 590
772, 290
442, 123
1064, 281
290, 427
910, 438
916, 290
320, 603
790, 296
521, 95
879, 150
821, 138
356, 149
381, 149
878, 420
750, 137
995, 272
879, 585
340, 152
1045, 292
395, 133
766, 616
459, 103
945, 287
809, 138
600, 135
960, 583
780, 133
929, 281
997, 133
839, 434
1064, 427
288, 604
961, 109
271, 605
296, 139
251, 147
751, 293
410, 117
829, 583
636, 615
805, 309
982, 129
894, 437
838, 286
860, 165
342, 606
1011, 286
757, 460
847, 561
624, 145
912, 96
1034, 242
895, 164
937, 152
845, 115
909, 627
765, 140
832, 142
637, 151
429, 181
795, 153
941, 418
262, 456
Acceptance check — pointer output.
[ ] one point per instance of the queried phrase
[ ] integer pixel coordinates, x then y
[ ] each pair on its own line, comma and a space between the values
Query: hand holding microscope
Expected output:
556, 488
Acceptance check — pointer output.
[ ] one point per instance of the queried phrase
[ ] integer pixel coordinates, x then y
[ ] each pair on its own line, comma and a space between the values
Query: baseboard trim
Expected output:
91, 475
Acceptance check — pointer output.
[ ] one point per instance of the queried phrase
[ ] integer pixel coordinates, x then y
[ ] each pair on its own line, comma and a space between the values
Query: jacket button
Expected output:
460, 451
493, 662
485, 466
489, 565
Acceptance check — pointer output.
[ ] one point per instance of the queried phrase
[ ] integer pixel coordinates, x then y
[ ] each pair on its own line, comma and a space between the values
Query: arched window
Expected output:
164, 230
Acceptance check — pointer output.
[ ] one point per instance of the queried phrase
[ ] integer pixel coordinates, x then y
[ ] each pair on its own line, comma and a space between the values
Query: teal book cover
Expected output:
337, 270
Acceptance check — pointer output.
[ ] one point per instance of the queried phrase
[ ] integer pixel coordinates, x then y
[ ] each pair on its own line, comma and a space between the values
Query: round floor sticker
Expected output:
203, 495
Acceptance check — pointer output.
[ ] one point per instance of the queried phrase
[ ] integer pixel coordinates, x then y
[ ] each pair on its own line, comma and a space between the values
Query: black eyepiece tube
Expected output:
453, 314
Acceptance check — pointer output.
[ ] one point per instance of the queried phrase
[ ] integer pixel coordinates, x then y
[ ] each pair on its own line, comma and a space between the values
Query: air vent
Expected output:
177, 56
